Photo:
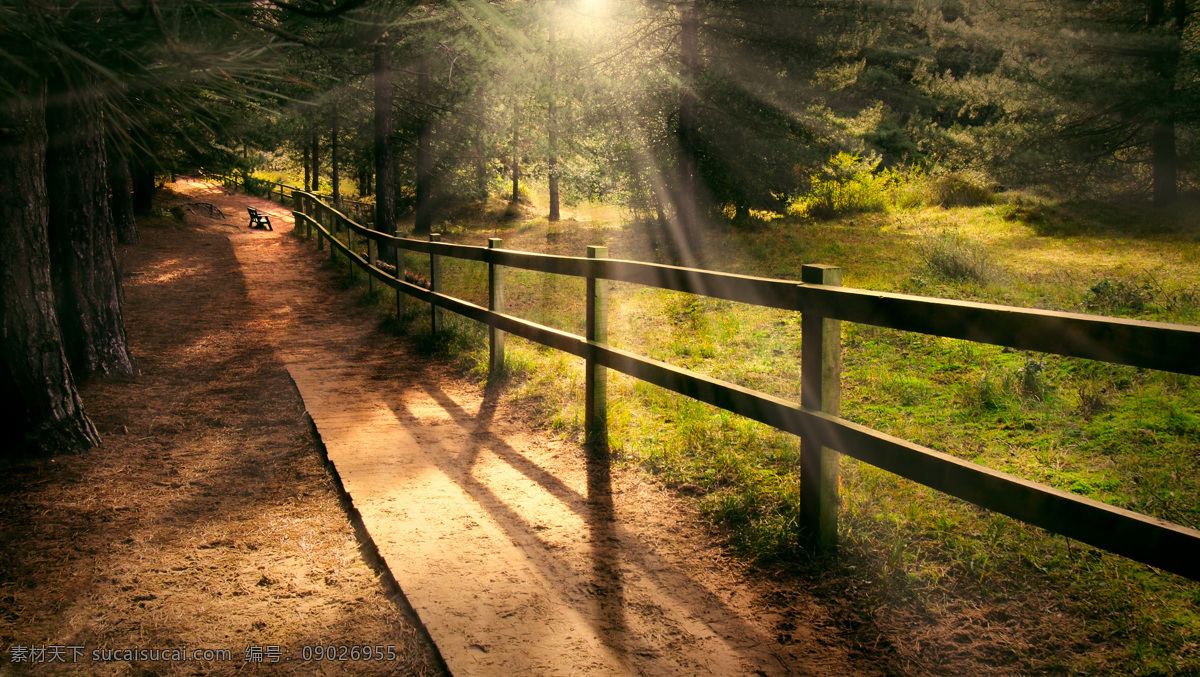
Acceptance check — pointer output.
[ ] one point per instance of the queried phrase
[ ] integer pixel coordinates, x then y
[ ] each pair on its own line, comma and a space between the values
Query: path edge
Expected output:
366, 544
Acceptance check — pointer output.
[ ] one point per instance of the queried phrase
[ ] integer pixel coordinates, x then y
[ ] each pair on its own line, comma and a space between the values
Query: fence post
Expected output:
331, 225
820, 389
312, 223
435, 285
298, 206
350, 245
495, 303
372, 248
595, 399
310, 209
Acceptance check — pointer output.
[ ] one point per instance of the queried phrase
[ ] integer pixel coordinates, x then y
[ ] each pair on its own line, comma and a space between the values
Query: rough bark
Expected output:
423, 223
82, 238
385, 179
40, 408
120, 188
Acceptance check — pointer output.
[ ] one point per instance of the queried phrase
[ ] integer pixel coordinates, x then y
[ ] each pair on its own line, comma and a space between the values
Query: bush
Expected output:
849, 184
957, 189
953, 257
1117, 295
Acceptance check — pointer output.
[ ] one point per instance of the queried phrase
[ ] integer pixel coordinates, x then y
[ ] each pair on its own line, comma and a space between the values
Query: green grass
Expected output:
913, 561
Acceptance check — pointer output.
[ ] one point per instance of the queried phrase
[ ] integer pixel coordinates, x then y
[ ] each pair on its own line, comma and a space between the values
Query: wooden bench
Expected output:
259, 220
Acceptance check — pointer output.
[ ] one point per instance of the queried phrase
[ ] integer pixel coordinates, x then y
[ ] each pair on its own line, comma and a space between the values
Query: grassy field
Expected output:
949, 585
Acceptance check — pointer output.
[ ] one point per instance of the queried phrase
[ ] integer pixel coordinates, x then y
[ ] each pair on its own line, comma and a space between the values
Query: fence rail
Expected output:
823, 305
287, 192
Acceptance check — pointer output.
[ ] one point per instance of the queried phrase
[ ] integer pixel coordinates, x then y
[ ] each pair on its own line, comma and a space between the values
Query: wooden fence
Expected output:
284, 194
823, 305
363, 210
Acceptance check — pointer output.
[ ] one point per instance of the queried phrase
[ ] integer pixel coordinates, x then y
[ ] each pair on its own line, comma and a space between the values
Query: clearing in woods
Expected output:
518, 554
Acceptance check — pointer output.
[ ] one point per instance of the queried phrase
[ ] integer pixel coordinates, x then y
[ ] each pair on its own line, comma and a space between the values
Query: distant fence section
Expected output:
823, 305
363, 212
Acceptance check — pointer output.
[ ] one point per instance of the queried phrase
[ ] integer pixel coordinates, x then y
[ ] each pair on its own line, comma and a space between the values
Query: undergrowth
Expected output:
851, 184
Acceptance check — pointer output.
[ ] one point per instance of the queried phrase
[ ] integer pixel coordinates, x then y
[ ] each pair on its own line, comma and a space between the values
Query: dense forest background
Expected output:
692, 115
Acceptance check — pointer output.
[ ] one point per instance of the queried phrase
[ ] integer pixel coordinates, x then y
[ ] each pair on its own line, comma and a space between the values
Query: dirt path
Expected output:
207, 519
518, 556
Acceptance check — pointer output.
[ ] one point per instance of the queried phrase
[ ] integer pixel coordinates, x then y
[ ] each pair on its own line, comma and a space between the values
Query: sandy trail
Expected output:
519, 555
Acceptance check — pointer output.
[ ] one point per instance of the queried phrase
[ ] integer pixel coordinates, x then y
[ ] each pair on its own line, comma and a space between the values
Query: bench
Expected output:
259, 220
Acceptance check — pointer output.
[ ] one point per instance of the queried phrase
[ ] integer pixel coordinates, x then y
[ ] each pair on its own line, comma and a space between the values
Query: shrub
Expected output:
953, 257
848, 184
254, 185
957, 189
1115, 295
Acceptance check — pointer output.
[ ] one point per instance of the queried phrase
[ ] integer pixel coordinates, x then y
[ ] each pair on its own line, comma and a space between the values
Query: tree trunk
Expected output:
385, 180
333, 159
1154, 12
1165, 162
1164, 158
687, 191
120, 186
82, 239
245, 169
481, 173
40, 409
141, 169
423, 223
316, 161
516, 154
552, 128
307, 167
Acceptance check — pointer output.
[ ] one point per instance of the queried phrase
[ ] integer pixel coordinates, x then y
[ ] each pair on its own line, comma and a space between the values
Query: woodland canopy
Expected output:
694, 114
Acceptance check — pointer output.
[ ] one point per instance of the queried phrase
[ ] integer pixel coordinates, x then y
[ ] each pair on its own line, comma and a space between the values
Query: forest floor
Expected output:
209, 520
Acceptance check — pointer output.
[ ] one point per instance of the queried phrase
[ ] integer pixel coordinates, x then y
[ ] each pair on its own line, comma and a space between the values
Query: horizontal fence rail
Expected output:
1153, 345
287, 192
